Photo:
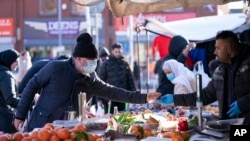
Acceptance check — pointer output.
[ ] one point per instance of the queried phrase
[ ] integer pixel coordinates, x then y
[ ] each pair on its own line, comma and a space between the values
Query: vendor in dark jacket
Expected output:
230, 81
8, 94
62, 81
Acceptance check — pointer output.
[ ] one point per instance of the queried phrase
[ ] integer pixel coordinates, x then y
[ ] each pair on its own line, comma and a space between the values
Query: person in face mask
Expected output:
61, 81
182, 78
24, 64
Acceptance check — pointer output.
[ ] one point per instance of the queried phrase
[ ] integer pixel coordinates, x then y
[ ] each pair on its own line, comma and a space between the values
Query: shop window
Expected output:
47, 7
77, 9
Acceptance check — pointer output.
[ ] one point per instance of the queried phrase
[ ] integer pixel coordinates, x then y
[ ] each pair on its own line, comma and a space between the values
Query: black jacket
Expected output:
8, 99
118, 73
30, 73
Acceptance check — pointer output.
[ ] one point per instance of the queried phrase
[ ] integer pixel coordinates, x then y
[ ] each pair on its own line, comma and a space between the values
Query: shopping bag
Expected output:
199, 69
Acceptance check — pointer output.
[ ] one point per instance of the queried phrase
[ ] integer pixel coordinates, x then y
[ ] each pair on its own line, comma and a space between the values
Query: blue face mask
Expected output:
170, 76
91, 66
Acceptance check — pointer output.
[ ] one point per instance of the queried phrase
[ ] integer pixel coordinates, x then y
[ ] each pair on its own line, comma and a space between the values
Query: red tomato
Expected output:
182, 125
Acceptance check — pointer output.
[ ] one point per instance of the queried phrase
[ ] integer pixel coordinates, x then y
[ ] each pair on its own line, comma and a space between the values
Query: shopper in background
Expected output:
61, 82
183, 79
178, 50
103, 56
24, 64
8, 94
99, 102
116, 71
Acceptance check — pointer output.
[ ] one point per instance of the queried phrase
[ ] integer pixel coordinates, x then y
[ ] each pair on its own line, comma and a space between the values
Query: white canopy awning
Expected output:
197, 29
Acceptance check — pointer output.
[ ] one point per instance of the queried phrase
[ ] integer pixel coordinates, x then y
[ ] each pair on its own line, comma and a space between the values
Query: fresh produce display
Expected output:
52, 133
193, 122
175, 135
124, 121
141, 126
141, 132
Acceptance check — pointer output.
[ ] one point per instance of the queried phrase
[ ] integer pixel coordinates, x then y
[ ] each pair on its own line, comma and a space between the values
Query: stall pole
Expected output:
147, 82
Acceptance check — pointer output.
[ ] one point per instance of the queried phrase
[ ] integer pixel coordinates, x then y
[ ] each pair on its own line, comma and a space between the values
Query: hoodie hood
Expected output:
177, 44
104, 52
8, 57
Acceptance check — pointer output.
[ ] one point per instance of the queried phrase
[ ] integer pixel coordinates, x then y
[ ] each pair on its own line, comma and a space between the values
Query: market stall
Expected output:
178, 123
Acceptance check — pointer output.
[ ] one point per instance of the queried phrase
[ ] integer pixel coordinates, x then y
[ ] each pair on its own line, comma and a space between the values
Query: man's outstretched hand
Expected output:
152, 96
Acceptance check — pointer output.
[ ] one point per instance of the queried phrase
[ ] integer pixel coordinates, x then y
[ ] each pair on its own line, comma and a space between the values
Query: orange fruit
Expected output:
92, 137
51, 125
73, 135
79, 127
63, 133
34, 134
57, 128
26, 134
54, 138
4, 138
43, 135
17, 136
68, 140
53, 133
7, 135
26, 139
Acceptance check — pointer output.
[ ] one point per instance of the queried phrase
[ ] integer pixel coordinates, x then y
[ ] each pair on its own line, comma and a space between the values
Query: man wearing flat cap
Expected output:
60, 82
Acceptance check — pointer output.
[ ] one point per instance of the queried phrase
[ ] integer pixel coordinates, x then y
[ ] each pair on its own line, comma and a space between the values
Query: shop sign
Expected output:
6, 27
49, 29
67, 27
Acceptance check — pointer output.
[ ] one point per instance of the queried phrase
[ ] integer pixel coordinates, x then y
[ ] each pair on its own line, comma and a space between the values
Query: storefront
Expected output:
42, 36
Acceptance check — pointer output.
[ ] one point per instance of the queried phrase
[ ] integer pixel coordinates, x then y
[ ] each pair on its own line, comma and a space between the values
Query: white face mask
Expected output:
91, 66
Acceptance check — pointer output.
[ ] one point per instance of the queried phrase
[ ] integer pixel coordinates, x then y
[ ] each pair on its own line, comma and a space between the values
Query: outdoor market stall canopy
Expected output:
122, 8
199, 29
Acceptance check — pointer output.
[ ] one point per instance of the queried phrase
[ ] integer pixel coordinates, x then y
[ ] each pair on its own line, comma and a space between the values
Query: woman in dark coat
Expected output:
8, 100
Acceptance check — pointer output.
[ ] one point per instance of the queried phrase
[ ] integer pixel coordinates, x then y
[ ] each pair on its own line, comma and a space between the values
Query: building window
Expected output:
47, 7
78, 9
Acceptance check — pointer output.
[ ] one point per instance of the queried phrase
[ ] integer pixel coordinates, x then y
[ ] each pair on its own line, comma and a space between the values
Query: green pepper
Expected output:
192, 123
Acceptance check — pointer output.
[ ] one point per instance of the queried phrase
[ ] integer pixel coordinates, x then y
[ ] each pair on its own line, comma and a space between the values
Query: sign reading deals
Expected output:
6, 27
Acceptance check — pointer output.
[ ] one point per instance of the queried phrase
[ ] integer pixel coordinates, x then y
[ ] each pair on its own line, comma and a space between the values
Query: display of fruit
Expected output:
51, 133
124, 120
175, 135
138, 130
152, 120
